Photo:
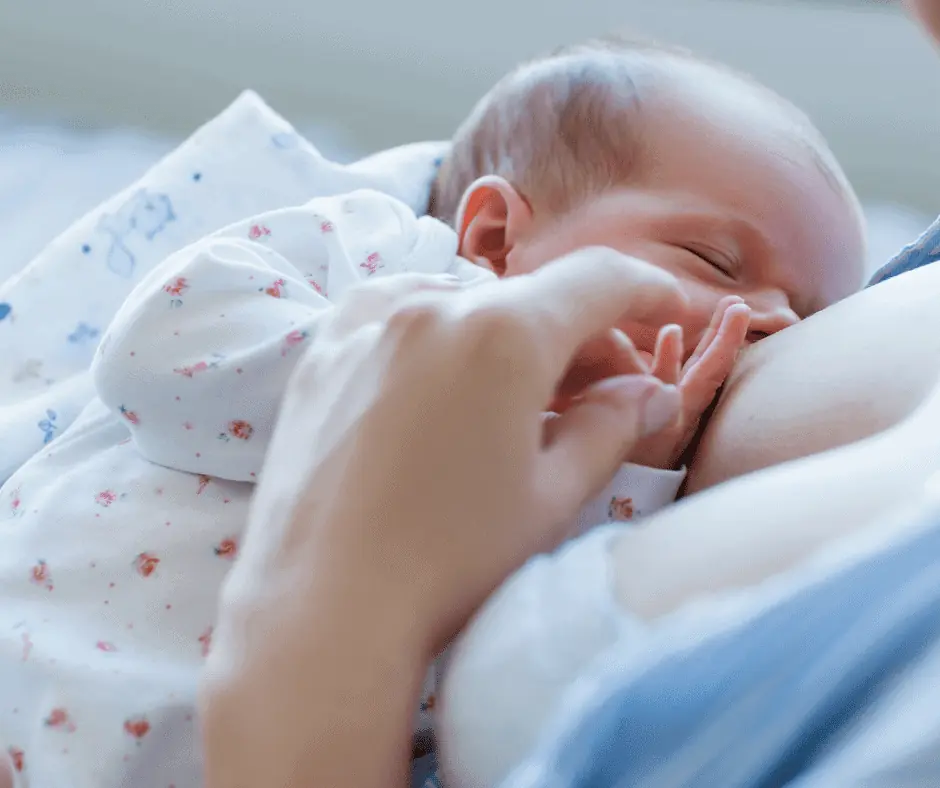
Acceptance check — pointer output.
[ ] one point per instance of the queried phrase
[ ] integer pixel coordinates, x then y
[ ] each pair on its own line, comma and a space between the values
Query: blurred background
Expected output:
93, 91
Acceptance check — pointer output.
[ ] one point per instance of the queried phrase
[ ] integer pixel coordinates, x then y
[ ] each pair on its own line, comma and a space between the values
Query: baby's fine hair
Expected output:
569, 125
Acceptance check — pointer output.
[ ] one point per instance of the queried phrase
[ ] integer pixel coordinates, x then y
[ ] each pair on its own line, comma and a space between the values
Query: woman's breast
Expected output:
850, 371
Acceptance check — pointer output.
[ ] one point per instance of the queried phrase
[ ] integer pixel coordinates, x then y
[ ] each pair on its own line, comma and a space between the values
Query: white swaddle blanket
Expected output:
52, 314
98, 688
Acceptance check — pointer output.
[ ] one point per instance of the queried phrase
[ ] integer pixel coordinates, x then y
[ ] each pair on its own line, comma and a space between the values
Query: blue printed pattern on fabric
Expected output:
924, 251
48, 426
54, 311
145, 215
83, 333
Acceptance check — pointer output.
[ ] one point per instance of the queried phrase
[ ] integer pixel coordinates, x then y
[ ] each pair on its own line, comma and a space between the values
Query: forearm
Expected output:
751, 528
348, 724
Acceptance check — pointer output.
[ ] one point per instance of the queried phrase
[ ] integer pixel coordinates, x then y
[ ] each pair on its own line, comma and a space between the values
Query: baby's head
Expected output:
656, 153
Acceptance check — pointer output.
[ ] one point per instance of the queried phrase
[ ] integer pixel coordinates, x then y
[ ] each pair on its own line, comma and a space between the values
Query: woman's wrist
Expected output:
363, 660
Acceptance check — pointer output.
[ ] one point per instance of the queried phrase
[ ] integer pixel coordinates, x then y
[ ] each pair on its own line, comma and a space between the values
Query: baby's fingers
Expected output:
711, 333
667, 359
706, 375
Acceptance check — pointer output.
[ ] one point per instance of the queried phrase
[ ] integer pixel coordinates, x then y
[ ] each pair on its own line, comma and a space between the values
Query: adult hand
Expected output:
409, 475
420, 418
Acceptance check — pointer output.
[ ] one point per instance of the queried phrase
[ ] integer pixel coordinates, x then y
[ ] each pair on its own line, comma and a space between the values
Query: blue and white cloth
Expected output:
54, 310
923, 251
831, 684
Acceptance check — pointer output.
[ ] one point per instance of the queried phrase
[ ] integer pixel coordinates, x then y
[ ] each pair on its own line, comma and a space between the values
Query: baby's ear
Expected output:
491, 218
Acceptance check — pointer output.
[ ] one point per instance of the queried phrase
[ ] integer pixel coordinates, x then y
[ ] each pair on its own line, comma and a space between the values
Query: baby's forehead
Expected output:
756, 156
705, 105
677, 90
677, 105
718, 134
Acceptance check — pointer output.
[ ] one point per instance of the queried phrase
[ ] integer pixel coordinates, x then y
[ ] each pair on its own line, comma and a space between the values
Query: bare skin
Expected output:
780, 238
844, 374
849, 372
856, 388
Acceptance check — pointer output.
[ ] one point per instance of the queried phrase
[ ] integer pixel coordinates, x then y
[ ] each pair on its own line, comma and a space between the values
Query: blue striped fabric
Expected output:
424, 773
923, 251
821, 689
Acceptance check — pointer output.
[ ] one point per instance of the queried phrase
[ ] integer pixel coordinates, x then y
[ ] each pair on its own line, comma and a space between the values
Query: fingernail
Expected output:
660, 409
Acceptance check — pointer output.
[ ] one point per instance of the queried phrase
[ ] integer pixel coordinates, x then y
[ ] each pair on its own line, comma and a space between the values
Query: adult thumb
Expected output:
591, 439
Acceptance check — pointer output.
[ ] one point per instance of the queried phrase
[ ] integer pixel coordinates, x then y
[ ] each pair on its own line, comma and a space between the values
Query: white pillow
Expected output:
246, 161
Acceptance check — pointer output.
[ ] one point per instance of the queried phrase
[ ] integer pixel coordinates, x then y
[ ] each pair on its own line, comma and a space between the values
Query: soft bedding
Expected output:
52, 312
50, 175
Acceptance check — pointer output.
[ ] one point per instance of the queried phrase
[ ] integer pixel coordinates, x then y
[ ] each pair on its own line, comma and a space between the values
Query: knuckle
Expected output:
416, 315
491, 320
496, 327
499, 336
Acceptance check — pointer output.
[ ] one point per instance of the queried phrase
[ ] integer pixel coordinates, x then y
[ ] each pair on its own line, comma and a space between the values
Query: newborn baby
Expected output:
119, 535
662, 156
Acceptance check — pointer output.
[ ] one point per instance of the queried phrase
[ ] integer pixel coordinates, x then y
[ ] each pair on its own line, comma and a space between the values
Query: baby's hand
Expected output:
698, 380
